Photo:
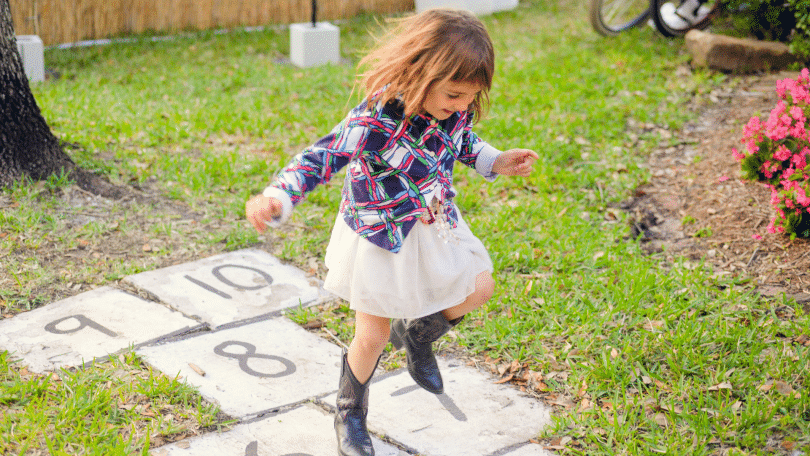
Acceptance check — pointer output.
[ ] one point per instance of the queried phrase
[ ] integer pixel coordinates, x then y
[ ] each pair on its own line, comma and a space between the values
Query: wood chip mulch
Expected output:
697, 206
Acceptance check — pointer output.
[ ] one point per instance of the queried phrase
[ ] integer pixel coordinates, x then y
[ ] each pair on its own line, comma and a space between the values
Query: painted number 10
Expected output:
217, 272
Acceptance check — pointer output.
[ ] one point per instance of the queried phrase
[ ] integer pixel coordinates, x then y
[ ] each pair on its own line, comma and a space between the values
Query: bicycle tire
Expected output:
683, 23
611, 17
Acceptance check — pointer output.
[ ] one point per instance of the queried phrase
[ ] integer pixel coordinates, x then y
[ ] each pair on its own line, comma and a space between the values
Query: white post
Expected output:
32, 53
312, 46
478, 7
503, 5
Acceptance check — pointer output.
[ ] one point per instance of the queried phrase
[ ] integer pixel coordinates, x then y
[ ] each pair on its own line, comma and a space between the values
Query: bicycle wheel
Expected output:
676, 17
609, 17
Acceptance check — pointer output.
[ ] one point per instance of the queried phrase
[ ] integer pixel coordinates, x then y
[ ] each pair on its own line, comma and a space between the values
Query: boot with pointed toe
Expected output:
417, 336
352, 408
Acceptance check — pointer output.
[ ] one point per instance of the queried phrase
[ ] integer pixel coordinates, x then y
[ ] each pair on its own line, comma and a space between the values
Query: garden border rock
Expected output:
736, 55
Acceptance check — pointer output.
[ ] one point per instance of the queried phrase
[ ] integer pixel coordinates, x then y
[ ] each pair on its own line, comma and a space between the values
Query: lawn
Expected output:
637, 354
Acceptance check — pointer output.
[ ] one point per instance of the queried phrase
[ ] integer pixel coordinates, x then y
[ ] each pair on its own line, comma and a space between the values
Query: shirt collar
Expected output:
424, 120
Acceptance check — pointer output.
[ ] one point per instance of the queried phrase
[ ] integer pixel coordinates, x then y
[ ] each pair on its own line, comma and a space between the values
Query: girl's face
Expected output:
445, 98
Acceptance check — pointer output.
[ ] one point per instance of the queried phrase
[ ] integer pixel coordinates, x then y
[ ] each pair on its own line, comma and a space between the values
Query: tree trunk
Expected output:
27, 146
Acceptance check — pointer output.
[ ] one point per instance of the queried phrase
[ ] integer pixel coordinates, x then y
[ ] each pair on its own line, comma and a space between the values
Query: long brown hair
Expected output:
435, 46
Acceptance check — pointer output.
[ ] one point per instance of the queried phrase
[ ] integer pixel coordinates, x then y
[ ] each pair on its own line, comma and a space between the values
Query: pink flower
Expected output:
798, 131
777, 131
800, 160
785, 154
753, 129
752, 133
782, 88
723, 178
797, 88
800, 94
756, 237
797, 113
804, 77
782, 153
775, 198
766, 169
801, 195
775, 127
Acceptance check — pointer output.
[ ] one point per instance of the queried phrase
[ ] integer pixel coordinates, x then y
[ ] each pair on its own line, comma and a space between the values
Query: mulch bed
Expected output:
697, 206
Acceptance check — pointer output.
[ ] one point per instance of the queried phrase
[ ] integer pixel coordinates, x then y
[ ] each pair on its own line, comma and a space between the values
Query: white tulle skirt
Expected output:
426, 276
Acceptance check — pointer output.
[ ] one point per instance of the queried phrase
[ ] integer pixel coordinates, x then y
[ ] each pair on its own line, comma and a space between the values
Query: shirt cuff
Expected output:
286, 204
486, 158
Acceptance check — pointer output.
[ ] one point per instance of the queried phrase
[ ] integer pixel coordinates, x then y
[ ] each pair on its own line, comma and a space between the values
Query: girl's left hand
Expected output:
515, 162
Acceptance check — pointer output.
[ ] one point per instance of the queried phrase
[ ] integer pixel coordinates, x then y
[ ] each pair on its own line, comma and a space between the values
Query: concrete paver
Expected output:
473, 417
230, 287
253, 368
531, 449
91, 325
305, 431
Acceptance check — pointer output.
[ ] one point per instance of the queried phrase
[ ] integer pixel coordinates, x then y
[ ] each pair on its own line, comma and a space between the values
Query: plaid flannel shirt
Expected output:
396, 167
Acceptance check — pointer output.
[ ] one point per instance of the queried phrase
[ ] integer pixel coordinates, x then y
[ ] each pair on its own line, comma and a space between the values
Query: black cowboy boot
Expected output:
352, 409
417, 335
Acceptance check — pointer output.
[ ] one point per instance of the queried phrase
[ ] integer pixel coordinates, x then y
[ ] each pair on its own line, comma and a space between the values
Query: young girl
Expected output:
400, 250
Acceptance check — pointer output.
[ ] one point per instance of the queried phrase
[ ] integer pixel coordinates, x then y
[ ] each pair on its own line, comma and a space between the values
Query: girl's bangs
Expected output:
477, 75
471, 65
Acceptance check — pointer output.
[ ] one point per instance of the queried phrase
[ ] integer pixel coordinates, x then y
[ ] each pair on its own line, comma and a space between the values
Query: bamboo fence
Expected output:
68, 21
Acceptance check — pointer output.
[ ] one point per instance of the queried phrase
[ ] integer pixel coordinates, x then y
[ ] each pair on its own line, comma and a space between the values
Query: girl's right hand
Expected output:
262, 209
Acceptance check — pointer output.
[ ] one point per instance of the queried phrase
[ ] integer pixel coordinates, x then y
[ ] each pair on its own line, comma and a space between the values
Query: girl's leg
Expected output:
484, 288
370, 338
417, 335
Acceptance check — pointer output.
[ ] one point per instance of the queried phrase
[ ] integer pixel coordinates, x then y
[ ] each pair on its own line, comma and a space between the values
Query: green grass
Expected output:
119, 407
655, 358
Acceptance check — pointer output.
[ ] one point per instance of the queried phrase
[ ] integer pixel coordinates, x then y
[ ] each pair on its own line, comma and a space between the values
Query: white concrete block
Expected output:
504, 5
33, 57
304, 431
313, 46
473, 416
231, 287
253, 368
531, 449
478, 7
91, 325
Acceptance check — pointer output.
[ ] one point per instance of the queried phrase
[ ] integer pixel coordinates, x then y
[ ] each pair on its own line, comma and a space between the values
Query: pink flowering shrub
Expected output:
777, 152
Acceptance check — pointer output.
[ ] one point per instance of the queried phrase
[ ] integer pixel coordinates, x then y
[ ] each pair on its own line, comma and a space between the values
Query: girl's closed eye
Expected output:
447, 97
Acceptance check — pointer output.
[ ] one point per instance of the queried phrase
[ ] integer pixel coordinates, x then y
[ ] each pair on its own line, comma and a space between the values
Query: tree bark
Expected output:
27, 145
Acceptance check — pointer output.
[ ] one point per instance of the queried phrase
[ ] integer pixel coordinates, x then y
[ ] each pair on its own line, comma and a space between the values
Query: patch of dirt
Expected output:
97, 185
85, 241
697, 206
